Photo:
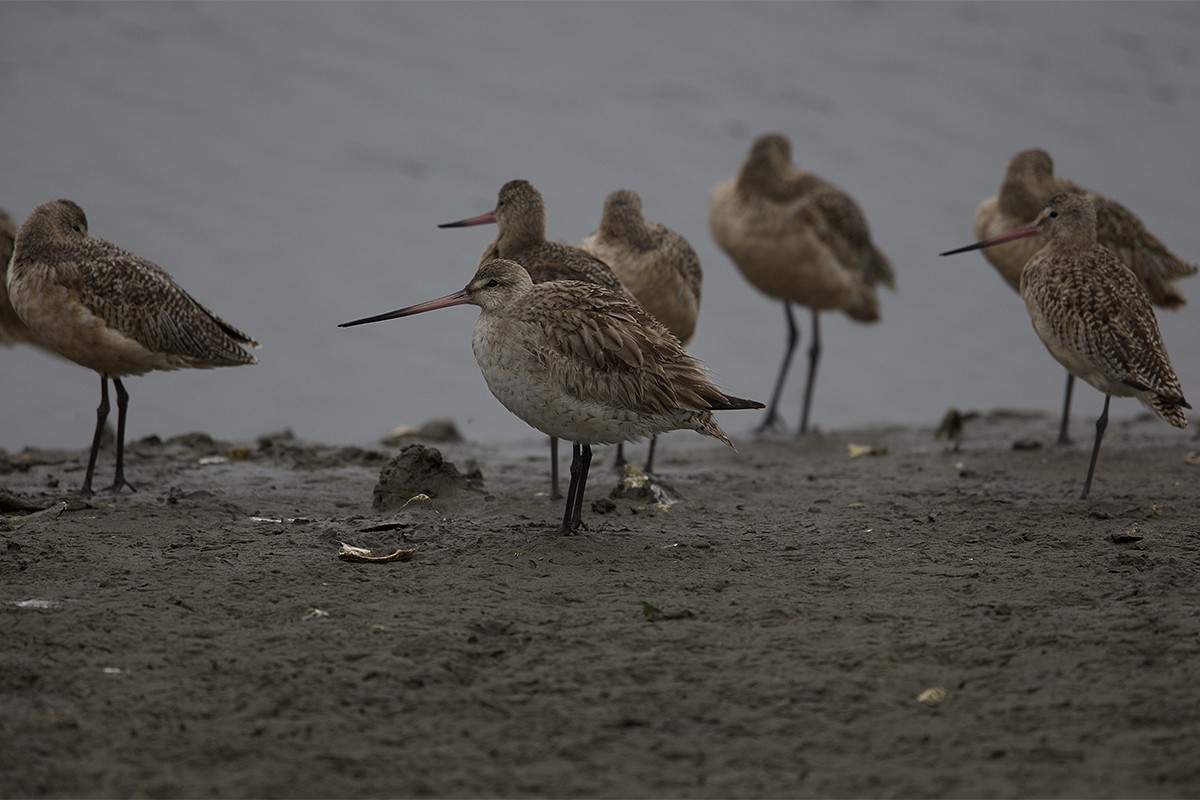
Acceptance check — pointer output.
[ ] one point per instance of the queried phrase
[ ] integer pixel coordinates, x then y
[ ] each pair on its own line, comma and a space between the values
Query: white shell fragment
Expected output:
362, 555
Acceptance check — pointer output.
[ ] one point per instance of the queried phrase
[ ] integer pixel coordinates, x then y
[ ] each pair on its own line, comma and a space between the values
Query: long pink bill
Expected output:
1017, 233
482, 219
457, 299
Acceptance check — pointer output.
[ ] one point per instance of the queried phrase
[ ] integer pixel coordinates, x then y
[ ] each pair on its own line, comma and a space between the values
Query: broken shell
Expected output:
349, 552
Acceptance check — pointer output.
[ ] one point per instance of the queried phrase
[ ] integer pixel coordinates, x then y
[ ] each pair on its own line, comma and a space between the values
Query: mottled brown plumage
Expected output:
1028, 184
520, 216
655, 263
1093, 314
109, 310
800, 239
580, 362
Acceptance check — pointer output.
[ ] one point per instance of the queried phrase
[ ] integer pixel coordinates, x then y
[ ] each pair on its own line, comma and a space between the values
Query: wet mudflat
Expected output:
770, 633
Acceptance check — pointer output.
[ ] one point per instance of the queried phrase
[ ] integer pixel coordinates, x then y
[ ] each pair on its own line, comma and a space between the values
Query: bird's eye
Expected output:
1053, 214
492, 284
77, 229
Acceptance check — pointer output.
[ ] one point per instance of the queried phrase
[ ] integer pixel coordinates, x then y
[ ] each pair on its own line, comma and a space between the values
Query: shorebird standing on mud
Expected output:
580, 362
110, 311
656, 264
799, 239
520, 216
1093, 314
1028, 183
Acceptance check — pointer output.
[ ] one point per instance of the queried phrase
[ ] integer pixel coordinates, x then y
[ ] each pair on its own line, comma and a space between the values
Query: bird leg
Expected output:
1063, 438
101, 418
793, 336
814, 355
585, 461
619, 462
650, 458
122, 407
555, 494
1101, 424
581, 459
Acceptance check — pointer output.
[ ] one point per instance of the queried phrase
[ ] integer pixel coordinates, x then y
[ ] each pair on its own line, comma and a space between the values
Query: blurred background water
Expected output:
288, 164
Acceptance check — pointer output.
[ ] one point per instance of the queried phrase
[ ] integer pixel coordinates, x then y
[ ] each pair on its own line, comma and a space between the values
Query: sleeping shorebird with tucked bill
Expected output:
1093, 314
520, 219
1028, 183
583, 363
656, 264
111, 311
799, 239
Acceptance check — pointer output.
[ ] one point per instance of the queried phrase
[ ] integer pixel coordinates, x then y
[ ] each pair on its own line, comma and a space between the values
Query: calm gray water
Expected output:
288, 163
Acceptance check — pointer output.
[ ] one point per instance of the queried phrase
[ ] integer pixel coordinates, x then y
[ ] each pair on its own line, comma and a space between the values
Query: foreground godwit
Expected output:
1028, 183
655, 263
11, 328
520, 217
110, 311
580, 362
1093, 314
799, 239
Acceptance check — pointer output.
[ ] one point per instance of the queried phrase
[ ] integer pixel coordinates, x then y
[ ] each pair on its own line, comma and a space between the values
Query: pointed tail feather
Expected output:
1169, 409
725, 402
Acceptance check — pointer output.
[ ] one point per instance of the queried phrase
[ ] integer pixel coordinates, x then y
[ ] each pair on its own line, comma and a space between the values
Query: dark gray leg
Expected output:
572, 511
122, 407
814, 356
620, 461
650, 458
1101, 424
1063, 437
101, 418
793, 336
585, 461
555, 494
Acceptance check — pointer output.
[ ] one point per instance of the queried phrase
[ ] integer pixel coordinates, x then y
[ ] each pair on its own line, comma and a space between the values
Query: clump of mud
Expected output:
420, 470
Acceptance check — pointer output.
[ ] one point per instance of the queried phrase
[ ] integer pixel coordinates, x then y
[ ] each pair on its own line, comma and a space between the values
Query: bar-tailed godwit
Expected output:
655, 263
110, 311
1028, 183
799, 239
520, 219
580, 362
1093, 314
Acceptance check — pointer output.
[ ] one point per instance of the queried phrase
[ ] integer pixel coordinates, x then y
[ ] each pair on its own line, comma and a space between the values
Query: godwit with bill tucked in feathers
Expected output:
799, 239
656, 264
12, 330
1028, 183
520, 217
580, 362
110, 311
1093, 314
